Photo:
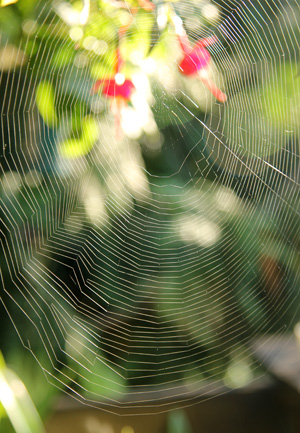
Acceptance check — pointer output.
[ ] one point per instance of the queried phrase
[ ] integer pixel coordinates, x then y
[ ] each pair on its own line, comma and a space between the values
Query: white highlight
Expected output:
72, 16
193, 229
120, 78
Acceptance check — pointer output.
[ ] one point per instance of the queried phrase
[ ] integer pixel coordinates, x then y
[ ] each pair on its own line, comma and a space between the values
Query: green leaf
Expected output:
45, 101
75, 148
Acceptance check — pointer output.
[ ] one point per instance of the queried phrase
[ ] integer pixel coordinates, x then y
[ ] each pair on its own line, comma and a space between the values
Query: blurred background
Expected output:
149, 216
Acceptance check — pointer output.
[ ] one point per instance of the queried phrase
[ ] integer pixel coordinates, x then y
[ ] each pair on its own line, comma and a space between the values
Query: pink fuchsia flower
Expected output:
196, 62
119, 90
116, 87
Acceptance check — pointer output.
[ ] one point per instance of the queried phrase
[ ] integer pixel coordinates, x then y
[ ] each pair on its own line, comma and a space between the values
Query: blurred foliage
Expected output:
178, 422
16, 404
68, 181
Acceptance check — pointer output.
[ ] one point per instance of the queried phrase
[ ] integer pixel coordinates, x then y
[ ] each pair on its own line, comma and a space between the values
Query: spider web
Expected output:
138, 271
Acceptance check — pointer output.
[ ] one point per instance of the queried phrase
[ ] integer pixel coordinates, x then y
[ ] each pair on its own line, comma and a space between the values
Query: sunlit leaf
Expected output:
90, 131
280, 96
7, 2
45, 101
74, 148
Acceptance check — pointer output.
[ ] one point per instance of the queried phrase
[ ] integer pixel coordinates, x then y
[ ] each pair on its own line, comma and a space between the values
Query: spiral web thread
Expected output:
136, 272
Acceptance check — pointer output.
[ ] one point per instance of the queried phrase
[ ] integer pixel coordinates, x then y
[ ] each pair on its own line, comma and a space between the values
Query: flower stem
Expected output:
218, 94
